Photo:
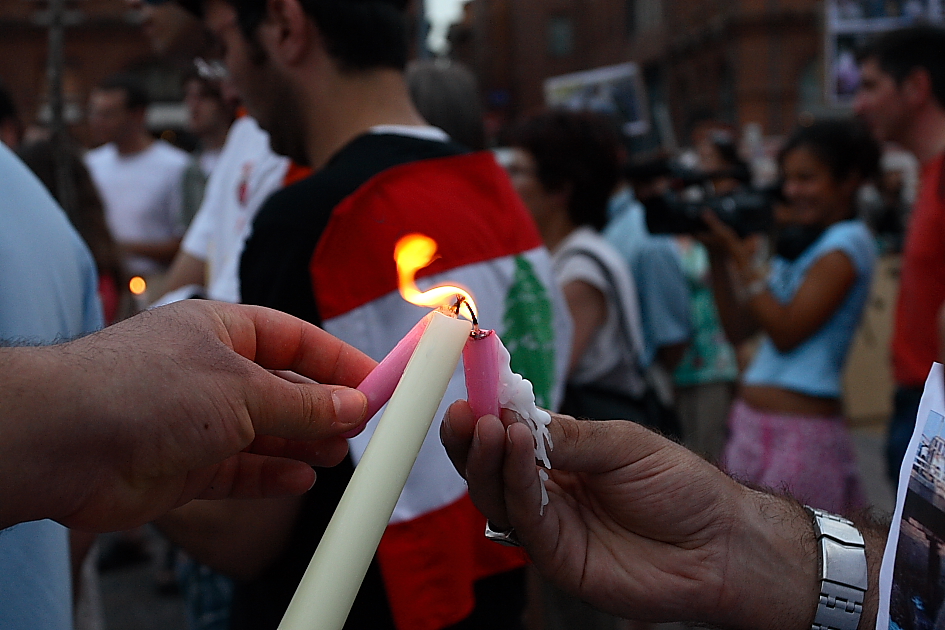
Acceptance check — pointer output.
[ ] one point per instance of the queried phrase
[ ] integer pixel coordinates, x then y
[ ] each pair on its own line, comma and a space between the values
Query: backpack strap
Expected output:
635, 353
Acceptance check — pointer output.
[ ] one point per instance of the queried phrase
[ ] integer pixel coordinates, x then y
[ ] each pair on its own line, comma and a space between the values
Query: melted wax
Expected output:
516, 393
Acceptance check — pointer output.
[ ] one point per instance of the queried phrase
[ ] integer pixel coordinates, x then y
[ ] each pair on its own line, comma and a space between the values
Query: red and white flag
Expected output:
434, 550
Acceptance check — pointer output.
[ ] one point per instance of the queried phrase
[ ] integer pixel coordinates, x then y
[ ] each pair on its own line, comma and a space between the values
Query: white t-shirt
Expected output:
142, 194
610, 360
246, 173
208, 160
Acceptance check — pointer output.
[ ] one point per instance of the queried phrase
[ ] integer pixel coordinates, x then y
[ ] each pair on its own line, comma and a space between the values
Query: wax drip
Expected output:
516, 393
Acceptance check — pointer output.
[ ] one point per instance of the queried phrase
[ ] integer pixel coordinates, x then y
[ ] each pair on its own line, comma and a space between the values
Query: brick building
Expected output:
102, 37
738, 61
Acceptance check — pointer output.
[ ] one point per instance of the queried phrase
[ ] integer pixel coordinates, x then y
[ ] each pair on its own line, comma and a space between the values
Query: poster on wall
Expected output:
851, 23
614, 90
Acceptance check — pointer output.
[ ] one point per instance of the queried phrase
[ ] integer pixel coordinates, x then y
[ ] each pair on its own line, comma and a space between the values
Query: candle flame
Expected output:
414, 252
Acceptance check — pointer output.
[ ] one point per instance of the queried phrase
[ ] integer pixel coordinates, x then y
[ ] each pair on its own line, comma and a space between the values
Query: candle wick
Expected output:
472, 314
457, 304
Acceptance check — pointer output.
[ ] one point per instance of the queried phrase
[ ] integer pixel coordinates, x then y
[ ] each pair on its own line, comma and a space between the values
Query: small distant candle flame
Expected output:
137, 285
414, 252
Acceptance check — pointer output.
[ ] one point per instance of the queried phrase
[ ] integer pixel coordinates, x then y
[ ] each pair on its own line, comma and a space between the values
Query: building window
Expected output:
560, 36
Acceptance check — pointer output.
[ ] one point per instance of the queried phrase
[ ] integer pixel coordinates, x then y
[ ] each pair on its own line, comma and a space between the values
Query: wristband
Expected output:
843, 577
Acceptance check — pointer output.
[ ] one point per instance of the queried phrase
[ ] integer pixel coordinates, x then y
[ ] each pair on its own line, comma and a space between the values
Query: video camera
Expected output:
678, 210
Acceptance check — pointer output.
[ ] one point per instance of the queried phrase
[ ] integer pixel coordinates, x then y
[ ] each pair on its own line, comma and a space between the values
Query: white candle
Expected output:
331, 582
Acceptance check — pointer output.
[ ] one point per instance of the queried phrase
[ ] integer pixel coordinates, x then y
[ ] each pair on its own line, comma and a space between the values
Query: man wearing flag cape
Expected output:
325, 79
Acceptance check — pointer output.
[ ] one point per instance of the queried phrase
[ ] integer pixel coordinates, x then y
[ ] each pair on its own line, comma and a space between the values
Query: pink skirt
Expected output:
810, 457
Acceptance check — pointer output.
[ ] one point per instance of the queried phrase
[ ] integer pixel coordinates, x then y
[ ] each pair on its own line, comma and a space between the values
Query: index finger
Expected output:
279, 341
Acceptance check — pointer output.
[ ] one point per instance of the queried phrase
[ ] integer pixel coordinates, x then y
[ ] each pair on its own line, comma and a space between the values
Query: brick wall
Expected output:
740, 61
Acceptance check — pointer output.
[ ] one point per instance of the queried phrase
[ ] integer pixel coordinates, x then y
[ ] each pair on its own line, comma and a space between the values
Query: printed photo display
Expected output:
912, 582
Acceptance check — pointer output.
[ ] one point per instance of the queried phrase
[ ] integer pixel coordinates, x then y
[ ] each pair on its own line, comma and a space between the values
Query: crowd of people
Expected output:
684, 362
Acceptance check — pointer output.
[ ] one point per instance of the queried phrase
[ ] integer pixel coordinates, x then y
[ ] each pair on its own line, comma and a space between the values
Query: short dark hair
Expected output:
136, 94
359, 34
900, 52
579, 150
845, 146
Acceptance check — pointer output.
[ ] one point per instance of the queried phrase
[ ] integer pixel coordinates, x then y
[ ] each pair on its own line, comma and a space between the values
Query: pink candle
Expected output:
481, 365
379, 385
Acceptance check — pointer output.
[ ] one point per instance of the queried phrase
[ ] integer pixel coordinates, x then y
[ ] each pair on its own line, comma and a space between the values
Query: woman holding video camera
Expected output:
786, 427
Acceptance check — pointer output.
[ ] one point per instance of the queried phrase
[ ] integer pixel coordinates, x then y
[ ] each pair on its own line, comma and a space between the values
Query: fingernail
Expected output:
445, 428
350, 405
475, 436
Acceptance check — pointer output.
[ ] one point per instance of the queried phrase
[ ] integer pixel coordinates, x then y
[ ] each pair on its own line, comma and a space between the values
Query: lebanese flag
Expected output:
434, 549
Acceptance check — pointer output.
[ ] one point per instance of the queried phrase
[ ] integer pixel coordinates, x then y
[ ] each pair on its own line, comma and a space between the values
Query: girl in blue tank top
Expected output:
786, 428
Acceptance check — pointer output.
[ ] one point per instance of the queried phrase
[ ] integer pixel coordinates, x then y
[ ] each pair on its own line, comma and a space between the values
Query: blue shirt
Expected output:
661, 286
48, 291
814, 366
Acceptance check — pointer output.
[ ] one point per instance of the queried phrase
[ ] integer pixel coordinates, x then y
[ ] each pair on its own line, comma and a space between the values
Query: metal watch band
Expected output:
843, 576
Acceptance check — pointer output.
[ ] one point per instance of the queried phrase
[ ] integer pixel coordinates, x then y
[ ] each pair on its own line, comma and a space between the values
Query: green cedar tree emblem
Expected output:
529, 331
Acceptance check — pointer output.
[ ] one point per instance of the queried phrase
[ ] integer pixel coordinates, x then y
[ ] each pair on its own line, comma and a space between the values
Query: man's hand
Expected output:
637, 525
177, 403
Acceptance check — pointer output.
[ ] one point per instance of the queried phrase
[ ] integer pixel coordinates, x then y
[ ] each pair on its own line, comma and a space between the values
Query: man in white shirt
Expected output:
138, 177
245, 175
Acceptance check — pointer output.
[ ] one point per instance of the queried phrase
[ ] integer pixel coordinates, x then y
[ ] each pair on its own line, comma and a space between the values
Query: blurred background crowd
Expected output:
724, 231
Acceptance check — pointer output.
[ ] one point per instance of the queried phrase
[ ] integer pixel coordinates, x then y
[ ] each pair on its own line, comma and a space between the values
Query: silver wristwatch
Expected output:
842, 572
